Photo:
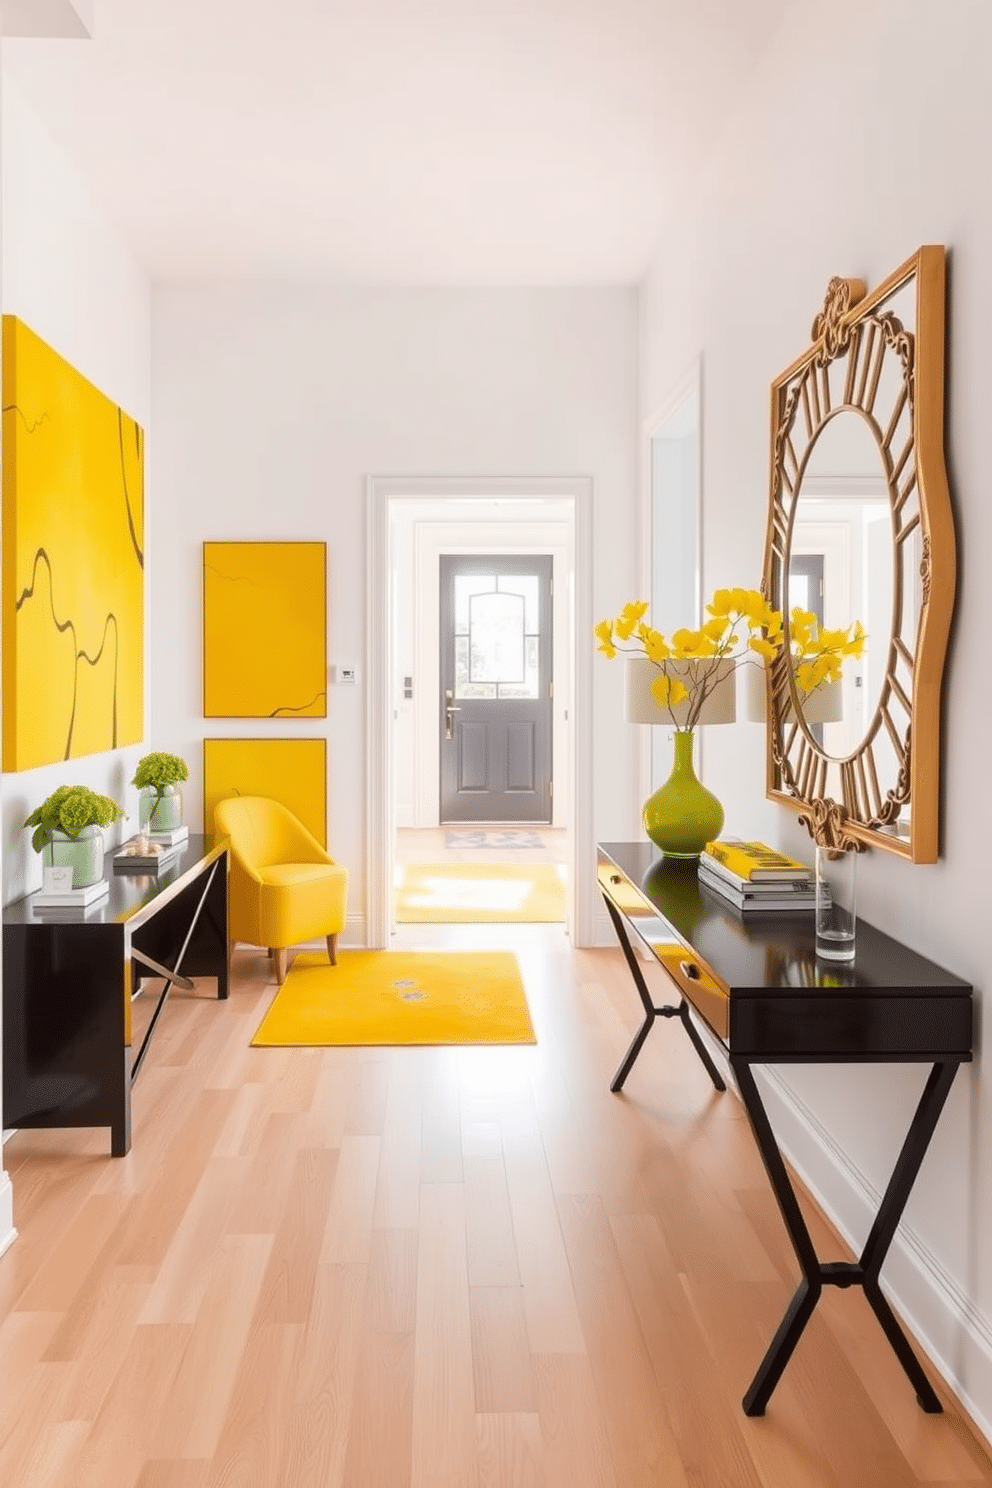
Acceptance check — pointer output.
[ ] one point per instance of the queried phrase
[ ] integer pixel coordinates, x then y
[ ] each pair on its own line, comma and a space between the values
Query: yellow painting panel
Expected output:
264, 630
73, 561
291, 771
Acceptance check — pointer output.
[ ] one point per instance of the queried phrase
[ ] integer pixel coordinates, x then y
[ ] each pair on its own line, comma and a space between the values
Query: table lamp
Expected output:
825, 704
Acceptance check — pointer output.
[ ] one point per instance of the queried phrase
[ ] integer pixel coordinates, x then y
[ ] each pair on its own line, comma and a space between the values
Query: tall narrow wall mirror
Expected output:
860, 558
673, 468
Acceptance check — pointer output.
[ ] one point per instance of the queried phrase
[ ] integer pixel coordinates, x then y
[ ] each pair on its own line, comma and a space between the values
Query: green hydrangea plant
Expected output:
69, 809
158, 771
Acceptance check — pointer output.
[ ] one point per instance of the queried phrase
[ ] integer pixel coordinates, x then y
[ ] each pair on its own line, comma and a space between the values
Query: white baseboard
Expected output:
351, 938
7, 1232
603, 933
954, 1335
354, 937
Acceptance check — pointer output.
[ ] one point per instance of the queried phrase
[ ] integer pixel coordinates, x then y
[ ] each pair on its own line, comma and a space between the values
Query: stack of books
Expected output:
757, 879
65, 903
171, 836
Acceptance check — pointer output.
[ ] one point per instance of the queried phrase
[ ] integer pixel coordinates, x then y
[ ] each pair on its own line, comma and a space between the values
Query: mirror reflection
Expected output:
852, 545
840, 584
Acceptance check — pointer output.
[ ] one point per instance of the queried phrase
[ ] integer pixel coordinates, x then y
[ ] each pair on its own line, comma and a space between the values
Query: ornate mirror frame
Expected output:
883, 792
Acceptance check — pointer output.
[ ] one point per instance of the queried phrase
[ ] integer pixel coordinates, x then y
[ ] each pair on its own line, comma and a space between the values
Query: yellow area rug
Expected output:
479, 893
400, 997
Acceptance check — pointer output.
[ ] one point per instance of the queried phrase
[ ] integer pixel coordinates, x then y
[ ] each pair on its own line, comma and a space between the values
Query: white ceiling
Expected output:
395, 141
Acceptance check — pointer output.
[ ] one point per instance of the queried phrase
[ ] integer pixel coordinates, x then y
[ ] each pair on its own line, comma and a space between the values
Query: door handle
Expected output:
449, 709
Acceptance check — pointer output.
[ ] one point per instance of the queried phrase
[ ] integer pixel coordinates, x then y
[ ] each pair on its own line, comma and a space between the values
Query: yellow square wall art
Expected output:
291, 771
264, 630
73, 560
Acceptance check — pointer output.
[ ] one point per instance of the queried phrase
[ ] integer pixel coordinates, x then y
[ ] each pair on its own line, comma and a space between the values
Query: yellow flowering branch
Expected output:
818, 652
742, 625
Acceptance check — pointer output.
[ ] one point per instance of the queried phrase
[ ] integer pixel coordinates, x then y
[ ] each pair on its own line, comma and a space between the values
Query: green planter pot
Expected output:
160, 810
682, 815
82, 853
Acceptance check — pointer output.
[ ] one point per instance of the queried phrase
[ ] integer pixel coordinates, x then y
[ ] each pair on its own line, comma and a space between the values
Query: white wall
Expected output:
72, 280
273, 405
69, 277
859, 142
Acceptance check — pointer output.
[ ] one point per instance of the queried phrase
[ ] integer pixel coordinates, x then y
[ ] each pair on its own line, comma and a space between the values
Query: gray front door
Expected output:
495, 703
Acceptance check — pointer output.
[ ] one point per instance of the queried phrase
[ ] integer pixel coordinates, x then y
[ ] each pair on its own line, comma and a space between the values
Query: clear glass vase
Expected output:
160, 808
836, 903
82, 853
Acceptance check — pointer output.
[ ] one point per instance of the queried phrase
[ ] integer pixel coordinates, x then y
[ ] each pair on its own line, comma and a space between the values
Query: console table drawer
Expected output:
865, 1027
698, 985
628, 899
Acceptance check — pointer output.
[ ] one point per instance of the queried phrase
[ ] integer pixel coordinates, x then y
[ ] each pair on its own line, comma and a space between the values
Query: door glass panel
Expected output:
528, 687
799, 591
497, 644
526, 586
465, 586
496, 638
464, 687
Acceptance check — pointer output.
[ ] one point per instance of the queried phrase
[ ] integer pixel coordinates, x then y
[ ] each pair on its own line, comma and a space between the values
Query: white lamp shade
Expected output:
639, 705
825, 704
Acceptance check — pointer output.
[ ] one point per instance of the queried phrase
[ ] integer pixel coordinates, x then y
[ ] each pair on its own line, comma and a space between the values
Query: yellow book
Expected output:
755, 862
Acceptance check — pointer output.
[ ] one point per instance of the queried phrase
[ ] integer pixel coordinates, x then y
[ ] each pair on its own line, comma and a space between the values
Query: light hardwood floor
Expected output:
431, 1268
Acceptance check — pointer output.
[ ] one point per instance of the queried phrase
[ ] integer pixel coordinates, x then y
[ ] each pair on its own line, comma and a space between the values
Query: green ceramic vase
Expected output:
682, 815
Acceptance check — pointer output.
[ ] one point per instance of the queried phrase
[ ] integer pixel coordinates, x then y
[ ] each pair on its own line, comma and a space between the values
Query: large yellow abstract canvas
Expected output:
264, 630
73, 560
292, 771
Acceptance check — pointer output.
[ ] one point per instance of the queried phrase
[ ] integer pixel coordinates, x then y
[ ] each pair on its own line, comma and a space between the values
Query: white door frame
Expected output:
380, 833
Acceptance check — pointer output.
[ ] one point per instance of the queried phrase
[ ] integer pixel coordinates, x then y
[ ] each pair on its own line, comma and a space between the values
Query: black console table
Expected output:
69, 979
758, 987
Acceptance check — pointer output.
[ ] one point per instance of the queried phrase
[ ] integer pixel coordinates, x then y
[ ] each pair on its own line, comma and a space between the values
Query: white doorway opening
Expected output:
412, 521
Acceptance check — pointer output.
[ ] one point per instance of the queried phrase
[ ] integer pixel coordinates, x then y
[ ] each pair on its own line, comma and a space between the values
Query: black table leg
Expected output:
865, 1271
900, 1185
120, 1126
215, 913
669, 1010
175, 976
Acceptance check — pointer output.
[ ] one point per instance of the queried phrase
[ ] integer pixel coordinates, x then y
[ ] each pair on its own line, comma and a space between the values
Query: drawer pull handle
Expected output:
690, 970
616, 878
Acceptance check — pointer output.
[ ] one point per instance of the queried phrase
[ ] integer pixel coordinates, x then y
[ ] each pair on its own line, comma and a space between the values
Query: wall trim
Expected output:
380, 817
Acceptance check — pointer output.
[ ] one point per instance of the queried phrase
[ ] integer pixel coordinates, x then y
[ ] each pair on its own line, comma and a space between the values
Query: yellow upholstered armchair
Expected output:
284, 887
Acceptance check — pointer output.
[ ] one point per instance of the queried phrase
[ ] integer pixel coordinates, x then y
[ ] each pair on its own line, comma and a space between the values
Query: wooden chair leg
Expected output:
280, 960
332, 949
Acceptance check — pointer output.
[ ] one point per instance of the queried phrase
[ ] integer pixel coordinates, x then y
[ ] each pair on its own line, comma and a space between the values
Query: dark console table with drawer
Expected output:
69, 979
758, 987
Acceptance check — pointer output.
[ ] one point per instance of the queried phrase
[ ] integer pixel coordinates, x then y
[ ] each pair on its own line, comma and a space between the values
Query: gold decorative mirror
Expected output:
860, 558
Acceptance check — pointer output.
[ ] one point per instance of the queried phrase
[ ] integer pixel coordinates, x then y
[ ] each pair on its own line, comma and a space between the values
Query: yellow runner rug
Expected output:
479, 893
399, 997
